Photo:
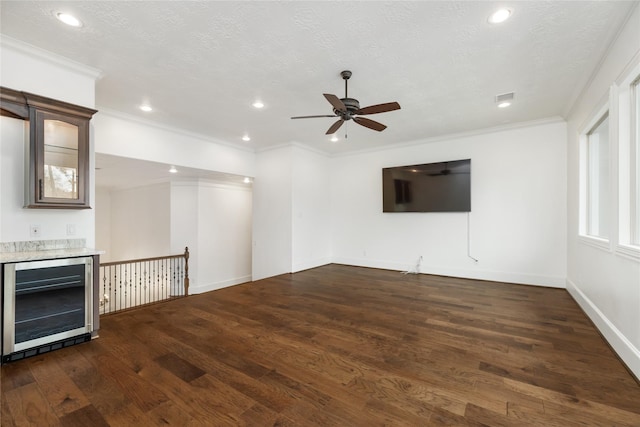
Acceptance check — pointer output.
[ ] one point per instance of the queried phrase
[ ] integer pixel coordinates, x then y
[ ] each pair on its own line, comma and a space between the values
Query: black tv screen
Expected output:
430, 187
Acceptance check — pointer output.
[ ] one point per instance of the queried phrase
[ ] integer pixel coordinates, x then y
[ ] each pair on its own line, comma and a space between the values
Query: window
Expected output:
628, 164
597, 180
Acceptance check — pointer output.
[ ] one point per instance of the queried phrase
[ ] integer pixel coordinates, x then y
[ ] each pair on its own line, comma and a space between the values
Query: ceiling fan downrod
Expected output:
345, 75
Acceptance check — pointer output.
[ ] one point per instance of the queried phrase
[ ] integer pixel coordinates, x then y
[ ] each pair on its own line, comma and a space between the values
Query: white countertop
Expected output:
6, 257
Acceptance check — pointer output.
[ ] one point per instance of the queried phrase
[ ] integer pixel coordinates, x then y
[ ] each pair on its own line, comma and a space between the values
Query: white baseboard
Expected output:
491, 275
306, 265
629, 354
218, 285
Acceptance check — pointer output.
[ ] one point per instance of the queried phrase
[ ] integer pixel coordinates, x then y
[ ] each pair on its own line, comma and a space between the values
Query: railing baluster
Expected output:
128, 284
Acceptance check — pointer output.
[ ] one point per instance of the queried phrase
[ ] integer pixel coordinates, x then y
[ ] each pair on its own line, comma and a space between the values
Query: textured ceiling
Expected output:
202, 64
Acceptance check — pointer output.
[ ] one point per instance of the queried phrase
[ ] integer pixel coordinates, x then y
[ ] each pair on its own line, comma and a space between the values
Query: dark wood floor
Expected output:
335, 346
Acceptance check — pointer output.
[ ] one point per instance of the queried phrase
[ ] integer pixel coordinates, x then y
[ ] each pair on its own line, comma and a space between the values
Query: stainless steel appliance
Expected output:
46, 305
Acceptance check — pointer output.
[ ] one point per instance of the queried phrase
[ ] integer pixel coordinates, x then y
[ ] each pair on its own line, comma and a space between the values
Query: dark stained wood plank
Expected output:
60, 391
490, 418
179, 367
15, 375
335, 346
140, 391
28, 407
171, 414
256, 390
104, 393
259, 415
86, 416
5, 415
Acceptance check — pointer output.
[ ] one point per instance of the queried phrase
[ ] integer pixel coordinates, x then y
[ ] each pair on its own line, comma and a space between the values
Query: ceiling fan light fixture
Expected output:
246, 138
334, 139
258, 104
146, 108
499, 16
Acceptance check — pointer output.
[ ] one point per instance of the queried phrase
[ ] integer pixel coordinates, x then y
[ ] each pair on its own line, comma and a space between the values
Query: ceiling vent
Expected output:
505, 97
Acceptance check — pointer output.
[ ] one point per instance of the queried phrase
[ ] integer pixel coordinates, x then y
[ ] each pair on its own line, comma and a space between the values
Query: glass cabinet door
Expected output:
60, 179
59, 171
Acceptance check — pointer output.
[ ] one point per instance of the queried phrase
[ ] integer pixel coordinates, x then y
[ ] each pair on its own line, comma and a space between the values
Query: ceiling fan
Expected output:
349, 109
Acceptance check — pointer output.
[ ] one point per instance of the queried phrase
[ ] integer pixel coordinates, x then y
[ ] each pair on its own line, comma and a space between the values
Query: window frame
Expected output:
628, 103
634, 160
605, 111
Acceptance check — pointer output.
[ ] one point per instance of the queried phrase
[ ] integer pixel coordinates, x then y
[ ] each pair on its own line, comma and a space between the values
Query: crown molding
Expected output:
7, 42
133, 119
574, 101
458, 135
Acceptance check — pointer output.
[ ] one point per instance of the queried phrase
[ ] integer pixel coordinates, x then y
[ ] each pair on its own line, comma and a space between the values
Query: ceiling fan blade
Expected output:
312, 117
334, 127
335, 101
379, 108
369, 123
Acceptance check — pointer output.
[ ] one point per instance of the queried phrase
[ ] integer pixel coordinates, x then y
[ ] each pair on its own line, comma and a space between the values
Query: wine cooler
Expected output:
47, 305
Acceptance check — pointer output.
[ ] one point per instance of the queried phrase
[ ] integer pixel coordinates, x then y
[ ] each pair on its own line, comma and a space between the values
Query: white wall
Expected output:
272, 207
604, 282
292, 214
184, 225
15, 221
224, 236
121, 136
31, 70
518, 218
190, 202
103, 223
140, 226
311, 212
212, 219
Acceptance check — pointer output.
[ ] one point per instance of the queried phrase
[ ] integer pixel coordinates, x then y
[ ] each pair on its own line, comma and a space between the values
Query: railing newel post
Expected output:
186, 270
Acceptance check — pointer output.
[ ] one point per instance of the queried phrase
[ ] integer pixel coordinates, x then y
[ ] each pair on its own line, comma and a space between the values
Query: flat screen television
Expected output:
431, 187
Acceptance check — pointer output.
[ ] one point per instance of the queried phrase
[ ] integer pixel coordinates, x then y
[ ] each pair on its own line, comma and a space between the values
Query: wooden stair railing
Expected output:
133, 283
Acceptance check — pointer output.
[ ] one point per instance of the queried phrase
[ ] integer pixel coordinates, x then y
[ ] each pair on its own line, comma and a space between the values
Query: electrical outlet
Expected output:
34, 230
71, 229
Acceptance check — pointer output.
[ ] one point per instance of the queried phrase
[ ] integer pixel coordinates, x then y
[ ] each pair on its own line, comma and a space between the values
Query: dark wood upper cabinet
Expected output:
57, 153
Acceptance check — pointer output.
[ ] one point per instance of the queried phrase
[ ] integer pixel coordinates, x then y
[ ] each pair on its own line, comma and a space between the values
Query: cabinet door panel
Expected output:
61, 160
59, 165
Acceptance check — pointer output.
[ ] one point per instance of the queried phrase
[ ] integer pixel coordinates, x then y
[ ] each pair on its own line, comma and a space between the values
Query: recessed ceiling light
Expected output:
246, 138
146, 108
258, 104
173, 169
499, 16
69, 19
504, 104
